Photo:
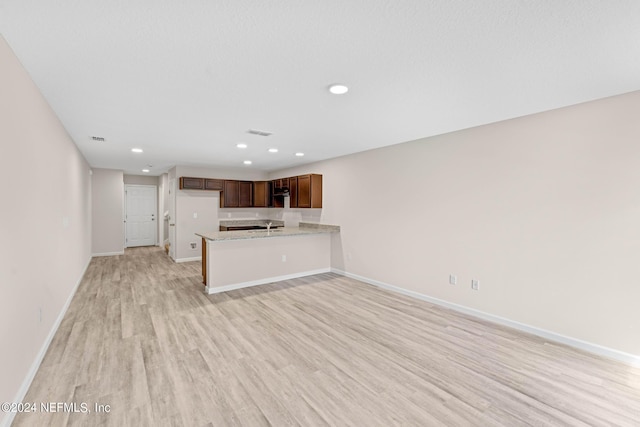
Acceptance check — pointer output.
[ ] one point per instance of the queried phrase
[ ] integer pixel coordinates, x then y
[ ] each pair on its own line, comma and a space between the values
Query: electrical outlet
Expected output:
195, 215
453, 279
284, 258
193, 245
475, 285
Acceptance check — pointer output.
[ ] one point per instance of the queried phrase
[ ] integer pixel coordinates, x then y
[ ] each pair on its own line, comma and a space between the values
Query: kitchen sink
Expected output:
265, 231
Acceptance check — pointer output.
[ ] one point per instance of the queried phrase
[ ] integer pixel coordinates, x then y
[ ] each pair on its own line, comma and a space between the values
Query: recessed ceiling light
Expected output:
338, 89
137, 150
145, 170
241, 145
273, 150
299, 154
247, 162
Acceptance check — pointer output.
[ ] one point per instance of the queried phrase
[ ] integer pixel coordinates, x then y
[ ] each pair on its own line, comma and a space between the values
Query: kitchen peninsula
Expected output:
237, 259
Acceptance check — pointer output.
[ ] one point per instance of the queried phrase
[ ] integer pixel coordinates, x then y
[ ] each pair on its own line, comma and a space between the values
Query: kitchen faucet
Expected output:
269, 226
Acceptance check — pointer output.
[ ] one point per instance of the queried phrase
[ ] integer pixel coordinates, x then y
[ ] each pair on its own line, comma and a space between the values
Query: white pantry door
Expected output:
140, 216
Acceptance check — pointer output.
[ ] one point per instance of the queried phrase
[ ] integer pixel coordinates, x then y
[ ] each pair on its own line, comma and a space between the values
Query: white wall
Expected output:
544, 210
45, 223
108, 208
206, 204
141, 180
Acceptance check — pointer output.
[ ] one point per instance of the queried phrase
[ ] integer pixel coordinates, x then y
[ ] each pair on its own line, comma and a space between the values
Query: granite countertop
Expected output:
303, 229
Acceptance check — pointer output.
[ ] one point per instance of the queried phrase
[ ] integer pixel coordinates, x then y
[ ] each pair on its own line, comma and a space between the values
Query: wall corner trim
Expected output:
620, 356
24, 388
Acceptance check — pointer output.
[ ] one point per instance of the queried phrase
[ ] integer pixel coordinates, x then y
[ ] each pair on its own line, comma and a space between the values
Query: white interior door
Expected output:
141, 215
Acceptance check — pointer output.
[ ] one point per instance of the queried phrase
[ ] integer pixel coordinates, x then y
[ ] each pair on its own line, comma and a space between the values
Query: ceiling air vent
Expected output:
97, 138
259, 132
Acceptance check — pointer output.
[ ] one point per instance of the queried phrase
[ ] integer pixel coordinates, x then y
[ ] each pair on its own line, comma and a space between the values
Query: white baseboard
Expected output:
108, 253
258, 282
630, 359
24, 388
195, 258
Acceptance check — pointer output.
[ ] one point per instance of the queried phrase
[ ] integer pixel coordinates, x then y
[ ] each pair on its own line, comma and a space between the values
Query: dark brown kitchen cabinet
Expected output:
213, 184
261, 194
230, 195
304, 191
281, 187
236, 194
281, 183
277, 201
309, 191
293, 192
245, 198
187, 183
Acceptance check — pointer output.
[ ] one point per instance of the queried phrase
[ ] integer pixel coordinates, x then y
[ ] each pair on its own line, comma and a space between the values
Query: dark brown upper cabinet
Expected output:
304, 191
309, 191
293, 192
213, 184
230, 195
261, 194
277, 201
278, 188
245, 198
187, 183
280, 184
236, 194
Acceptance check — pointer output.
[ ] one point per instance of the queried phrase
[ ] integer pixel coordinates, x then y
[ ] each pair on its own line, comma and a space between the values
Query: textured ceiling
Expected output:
185, 80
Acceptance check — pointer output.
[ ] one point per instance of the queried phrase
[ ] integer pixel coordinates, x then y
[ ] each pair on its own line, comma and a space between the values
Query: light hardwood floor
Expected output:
141, 336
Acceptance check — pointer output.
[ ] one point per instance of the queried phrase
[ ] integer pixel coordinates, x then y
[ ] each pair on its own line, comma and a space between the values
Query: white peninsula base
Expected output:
235, 264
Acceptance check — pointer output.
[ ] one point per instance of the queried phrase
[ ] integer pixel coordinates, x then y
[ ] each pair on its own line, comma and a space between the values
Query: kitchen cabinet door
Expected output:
245, 197
230, 195
213, 184
281, 183
276, 201
293, 192
187, 183
261, 194
310, 191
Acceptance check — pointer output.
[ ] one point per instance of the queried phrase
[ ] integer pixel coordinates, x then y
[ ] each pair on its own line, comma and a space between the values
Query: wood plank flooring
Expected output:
325, 350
